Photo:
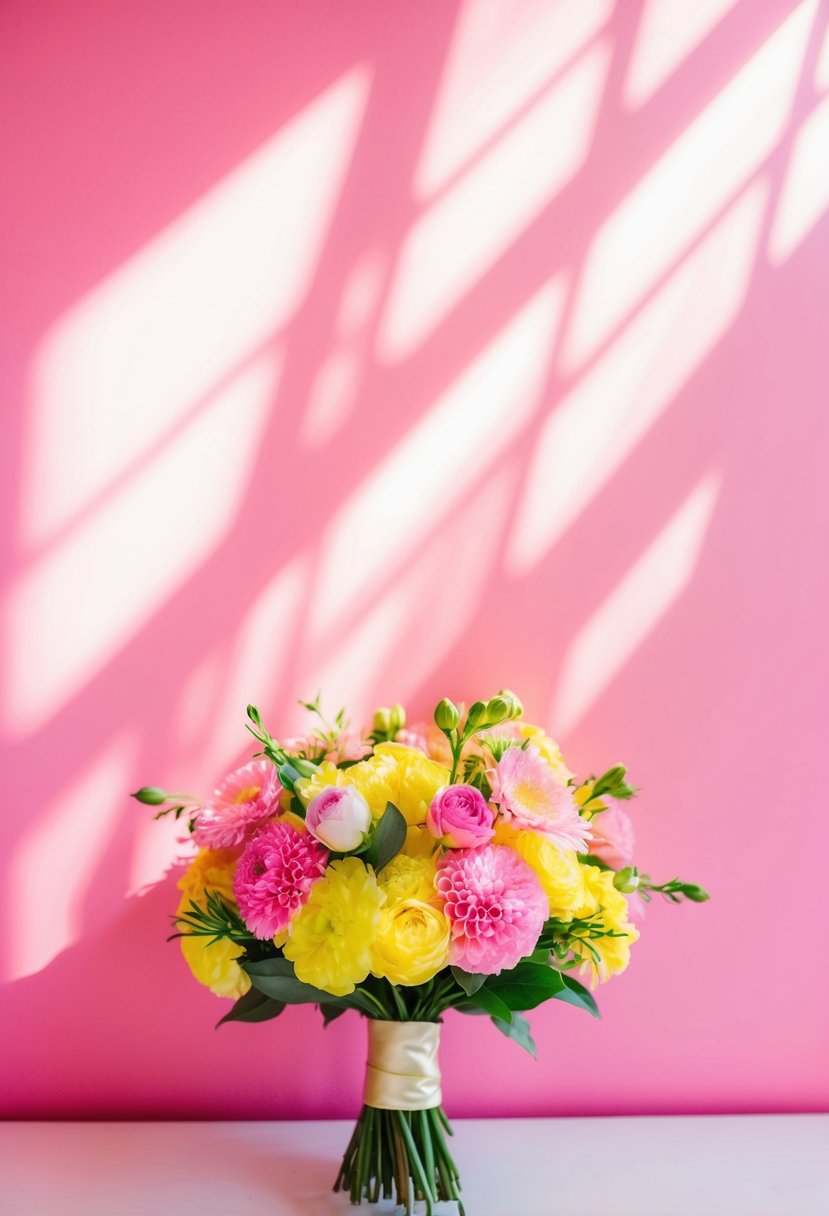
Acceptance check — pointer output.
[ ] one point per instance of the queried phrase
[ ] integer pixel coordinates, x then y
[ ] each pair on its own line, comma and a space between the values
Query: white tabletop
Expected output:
753, 1165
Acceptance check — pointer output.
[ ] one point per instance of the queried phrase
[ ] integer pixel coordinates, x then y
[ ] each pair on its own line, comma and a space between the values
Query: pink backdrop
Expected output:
399, 350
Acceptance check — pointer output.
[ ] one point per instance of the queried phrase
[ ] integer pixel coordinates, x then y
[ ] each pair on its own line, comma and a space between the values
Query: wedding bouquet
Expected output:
458, 865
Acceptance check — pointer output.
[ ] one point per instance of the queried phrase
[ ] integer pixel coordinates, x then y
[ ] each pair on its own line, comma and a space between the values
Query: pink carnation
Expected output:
239, 805
274, 876
531, 797
612, 835
496, 907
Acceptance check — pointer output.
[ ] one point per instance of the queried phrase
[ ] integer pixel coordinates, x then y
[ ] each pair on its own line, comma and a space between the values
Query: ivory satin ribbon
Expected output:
402, 1070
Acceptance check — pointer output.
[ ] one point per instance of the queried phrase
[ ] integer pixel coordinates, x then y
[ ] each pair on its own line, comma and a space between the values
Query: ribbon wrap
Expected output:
402, 1071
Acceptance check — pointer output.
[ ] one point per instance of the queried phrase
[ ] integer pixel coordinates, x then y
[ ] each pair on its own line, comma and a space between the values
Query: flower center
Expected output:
531, 797
248, 793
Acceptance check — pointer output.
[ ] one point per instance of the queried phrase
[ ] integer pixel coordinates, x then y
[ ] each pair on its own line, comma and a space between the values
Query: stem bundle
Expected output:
402, 1155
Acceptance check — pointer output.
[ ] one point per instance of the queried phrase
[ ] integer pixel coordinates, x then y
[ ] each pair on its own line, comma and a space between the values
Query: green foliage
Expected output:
330, 1013
276, 978
676, 890
254, 1006
389, 837
467, 980
526, 986
576, 994
216, 919
519, 1031
492, 1003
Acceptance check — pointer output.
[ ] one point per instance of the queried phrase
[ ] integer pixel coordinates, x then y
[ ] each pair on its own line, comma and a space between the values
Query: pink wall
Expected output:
400, 350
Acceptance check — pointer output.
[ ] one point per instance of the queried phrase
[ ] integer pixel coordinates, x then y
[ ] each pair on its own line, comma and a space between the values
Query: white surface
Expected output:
754, 1165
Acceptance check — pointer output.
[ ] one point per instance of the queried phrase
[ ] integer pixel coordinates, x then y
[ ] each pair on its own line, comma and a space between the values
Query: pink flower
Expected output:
274, 876
495, 905
239, 805
460, 817
340, 817
530, 796
612, 835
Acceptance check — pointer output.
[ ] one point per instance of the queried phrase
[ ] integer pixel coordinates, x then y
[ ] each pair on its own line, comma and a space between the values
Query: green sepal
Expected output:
519, 1031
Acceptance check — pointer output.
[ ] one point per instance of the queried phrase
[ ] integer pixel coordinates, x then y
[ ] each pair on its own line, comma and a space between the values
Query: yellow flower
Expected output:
419, 842
412, 943
548, 747
212, 963
408, 878
558, 869
601, 899
329, 938
210, 870
583, 795
395, 773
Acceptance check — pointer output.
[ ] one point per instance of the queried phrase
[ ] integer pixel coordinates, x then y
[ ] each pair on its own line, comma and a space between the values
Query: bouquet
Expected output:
455, 865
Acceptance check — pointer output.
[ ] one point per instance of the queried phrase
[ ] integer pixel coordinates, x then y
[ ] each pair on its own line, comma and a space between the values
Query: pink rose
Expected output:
612, 835
460, 817
339, 817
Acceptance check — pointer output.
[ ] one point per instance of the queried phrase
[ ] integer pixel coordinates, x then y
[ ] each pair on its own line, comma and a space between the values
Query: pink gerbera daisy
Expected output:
239, 805
530, 796
495, 905
274, 876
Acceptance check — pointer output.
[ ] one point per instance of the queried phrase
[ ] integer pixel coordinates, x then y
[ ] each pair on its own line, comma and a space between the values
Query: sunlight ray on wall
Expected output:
593, 430
503, 53
470, 227
713, 158
50, 874
804, 199
467, 430
70, 612
668, 33
634, 608
120, 370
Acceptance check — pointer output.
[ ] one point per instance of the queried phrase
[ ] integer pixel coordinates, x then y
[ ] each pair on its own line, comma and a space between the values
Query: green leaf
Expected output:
389, 837
519, 1031
492, 1004
150, 795
275, 977
467, 980
576, 994
527, 985
254, 1006
331, 1012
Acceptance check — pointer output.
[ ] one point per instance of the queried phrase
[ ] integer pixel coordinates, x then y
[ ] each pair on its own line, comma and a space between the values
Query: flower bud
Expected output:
446, 714
476, 714
398, 718
627, 880
516, 709
151, 795
696, 894
339, 817
497, 710
382, 722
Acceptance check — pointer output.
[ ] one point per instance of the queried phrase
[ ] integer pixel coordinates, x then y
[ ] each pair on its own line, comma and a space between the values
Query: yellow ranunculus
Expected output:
213, 963
558, 870
395, 773
211, 870
419, 842
548, 747
330, 937
412, 943
408, 878
601, 899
